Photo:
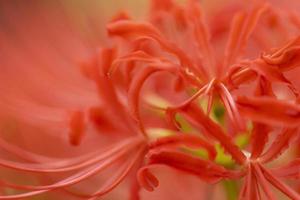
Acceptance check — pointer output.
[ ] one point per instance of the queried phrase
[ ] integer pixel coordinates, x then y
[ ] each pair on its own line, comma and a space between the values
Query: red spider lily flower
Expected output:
209, 74
176, 55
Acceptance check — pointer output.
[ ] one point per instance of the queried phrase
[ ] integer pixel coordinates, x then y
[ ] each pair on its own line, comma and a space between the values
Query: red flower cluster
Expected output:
213, 97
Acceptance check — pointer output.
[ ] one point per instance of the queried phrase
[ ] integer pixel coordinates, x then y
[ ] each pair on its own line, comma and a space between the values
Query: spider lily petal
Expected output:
196, 116
240, 74
290, 170
146, 31
236, 29
286, 58
205, 170
185, 139
273, 74
269, 110
243, 26
260, 132
259, 139
280, 144
201, 34
188, 22
138, 56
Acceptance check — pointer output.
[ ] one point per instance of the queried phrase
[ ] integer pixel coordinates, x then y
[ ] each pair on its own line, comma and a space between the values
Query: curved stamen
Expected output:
115, 180
231, 107
73, 164
71, 180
